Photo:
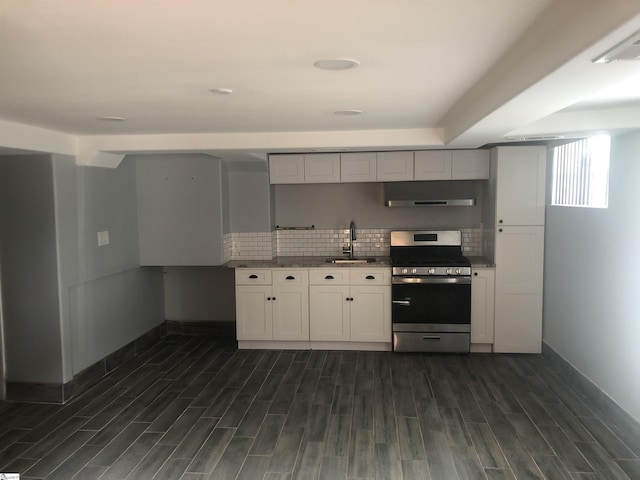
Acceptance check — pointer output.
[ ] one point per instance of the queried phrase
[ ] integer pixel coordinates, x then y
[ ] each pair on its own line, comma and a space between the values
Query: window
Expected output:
581, 173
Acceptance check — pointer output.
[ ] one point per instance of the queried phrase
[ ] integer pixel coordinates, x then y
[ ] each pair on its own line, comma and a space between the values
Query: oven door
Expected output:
431, 304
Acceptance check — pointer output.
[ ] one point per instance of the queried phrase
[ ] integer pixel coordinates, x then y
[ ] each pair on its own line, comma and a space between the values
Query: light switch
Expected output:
103, 238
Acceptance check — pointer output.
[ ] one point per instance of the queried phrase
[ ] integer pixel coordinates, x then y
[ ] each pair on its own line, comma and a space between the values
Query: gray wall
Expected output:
199, 293
180, 209
591, 282
114, 300
249, 197
29, 270
330, 206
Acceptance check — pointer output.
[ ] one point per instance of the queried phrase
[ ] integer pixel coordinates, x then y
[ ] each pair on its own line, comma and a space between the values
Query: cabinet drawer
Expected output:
290, 277
253, 276
329, 276
368, 276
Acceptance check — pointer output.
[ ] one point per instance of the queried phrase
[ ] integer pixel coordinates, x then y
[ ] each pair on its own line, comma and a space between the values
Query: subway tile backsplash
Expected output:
370, 242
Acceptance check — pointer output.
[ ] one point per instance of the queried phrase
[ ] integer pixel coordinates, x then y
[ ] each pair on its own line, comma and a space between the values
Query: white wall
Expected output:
592, 285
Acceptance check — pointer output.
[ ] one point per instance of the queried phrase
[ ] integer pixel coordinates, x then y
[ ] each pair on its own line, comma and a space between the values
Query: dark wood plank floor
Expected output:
195, 408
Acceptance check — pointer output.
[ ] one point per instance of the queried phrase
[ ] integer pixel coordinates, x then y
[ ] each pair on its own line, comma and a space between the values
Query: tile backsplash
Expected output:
370, 242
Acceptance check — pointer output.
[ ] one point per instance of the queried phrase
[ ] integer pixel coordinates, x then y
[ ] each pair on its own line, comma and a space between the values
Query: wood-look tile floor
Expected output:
195, 408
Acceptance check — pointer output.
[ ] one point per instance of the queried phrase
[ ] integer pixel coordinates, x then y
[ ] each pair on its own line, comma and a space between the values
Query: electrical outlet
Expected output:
103, 238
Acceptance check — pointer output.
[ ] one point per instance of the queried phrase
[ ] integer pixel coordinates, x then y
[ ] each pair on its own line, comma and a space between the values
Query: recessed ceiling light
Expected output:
336, 63
348, 112
221, 91
111, 118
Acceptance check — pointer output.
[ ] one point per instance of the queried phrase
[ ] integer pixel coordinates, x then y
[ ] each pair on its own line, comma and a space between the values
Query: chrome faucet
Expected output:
352, 237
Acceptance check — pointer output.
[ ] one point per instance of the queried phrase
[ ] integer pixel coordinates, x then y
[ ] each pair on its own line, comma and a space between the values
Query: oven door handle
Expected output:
402, 302
432, 280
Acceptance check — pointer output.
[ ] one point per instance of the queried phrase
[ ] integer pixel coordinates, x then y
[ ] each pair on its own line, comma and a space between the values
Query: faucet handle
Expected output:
346, 250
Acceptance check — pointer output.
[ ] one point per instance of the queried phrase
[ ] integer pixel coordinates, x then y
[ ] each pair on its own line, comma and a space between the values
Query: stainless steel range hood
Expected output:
430, 194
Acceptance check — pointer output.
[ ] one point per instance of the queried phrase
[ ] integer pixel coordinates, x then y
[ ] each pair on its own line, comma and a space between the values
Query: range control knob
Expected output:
449, 271
405, 270
431, 271
414, 270
458, 271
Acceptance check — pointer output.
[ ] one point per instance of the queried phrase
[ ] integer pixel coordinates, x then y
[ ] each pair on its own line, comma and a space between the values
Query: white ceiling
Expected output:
461, 73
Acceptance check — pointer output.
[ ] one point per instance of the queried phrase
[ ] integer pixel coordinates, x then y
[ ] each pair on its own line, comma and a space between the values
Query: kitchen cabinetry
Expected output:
286, 168
350, 305
394, 166
322, 168
519, 270
272, 305
180, 209
518, 174
470, 164
432, 165
358, 167
520, 185
312, 168
482, 305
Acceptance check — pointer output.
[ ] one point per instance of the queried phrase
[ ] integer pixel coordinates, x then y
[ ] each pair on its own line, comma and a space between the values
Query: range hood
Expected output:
430, 194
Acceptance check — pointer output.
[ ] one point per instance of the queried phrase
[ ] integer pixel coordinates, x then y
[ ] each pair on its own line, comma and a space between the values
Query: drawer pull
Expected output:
370, 277
329, 277
431, 337
290, 277
253, 276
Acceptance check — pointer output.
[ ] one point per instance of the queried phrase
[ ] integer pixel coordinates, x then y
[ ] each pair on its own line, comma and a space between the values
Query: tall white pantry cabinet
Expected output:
518, 181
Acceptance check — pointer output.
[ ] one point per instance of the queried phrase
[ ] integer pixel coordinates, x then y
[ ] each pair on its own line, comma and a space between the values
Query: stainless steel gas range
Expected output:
431, 291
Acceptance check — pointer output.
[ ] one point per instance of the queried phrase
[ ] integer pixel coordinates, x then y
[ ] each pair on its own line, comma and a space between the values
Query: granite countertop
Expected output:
304, 262
481, 262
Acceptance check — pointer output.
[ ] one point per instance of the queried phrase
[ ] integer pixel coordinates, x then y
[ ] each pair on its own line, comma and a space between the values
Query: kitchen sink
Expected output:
350, 260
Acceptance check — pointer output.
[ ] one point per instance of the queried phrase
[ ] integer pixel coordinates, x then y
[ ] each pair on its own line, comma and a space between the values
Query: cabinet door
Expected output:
286, 168
254, 315
520, 185
322, 168
432, 165
358, 167
482, 305
518, 307
370, 314
394, 166
329, 313
470, 165
290, 312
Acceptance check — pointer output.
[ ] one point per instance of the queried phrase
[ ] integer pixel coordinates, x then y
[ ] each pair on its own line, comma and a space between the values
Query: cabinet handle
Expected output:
500, 230
431, 337
290, 277
475, 274
273, 298
370, 277
253, 276
268, 299
329, 277
500, 221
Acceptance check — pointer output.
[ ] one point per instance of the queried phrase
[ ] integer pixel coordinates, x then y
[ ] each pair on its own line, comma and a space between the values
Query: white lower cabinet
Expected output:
277, 310
482, 305
350, 305
519, 271
321, 305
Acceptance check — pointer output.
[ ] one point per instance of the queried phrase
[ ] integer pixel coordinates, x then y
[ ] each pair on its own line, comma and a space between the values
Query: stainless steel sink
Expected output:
350, 260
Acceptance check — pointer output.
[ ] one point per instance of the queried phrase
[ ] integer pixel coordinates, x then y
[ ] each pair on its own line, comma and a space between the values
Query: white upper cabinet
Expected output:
520, 184
470, 164
286, 168
322, 168
358, 167
394, 166
433, 165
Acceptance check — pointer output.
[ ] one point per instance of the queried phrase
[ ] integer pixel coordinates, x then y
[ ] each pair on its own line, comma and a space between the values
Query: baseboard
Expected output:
87, 378
626, 424
204, 327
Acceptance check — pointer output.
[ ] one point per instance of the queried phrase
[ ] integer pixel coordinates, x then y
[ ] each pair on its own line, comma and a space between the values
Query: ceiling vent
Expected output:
624, 51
